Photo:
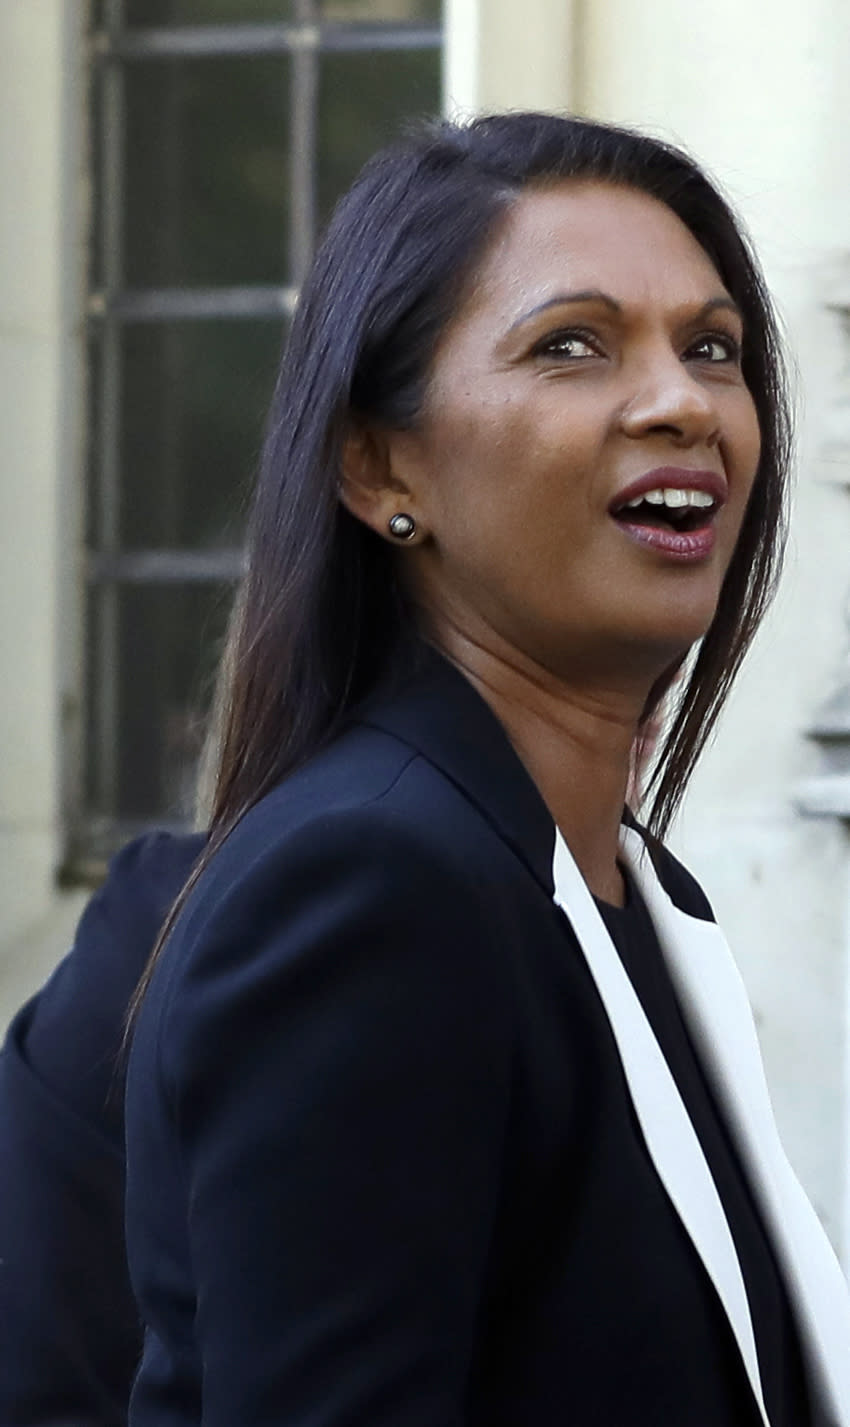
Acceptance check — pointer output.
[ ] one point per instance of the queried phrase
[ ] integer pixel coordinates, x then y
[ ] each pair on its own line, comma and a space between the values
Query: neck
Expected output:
575, 742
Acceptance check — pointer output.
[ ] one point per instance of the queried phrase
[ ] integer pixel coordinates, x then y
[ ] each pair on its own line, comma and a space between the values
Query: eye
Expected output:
714, 347
570, 344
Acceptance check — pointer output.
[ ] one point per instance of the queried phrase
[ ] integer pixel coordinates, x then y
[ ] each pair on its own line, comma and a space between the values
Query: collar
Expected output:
434, 709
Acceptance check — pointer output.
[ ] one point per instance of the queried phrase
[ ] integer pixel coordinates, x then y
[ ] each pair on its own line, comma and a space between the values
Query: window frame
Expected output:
114, 46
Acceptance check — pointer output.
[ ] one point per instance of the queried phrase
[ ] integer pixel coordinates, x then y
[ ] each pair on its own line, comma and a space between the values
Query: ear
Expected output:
371, 487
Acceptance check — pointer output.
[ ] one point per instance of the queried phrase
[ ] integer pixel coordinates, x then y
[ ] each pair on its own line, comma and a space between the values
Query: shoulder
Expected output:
368, 810
120, 923
68, 1035
146, 875
288, 877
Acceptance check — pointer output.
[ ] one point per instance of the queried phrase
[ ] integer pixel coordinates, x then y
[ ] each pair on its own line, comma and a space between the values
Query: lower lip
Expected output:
686, 547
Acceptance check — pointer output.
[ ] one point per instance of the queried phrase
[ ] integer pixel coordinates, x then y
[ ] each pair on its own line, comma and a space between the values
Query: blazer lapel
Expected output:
666, 1125
715, 1005
436, 711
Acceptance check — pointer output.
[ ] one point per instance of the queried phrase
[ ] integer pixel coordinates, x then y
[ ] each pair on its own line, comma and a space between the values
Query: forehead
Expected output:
580, 235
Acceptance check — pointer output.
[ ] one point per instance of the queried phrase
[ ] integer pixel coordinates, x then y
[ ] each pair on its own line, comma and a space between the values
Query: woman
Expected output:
444, 1104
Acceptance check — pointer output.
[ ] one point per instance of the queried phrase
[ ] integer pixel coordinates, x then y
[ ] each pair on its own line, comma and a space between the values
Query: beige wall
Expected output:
517, 56
39, 411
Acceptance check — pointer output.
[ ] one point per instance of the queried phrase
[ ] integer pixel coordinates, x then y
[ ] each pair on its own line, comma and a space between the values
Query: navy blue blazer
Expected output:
70, 1337
383, 1164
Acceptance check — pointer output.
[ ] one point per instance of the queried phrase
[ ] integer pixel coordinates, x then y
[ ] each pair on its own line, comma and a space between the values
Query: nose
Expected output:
668, 398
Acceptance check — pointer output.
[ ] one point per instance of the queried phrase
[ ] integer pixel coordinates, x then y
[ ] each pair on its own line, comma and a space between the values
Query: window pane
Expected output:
207, 168
151, 670
194, 397
359, 11
194, 12
363, 101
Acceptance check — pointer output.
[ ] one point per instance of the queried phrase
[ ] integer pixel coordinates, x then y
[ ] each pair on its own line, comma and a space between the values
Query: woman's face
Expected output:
594, 364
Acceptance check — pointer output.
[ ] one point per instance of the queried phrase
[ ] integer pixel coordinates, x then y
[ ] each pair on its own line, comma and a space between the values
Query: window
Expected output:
222, 132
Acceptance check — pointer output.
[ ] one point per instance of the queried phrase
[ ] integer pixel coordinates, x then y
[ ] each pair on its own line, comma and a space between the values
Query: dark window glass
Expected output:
379, 11
364, 99
193, 401
152, 656
207, 154
202, 12
223, 12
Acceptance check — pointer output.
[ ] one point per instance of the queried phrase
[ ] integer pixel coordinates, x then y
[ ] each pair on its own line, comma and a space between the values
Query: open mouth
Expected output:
676, 510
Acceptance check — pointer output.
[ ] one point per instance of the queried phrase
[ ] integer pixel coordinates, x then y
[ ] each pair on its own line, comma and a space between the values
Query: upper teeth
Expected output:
673, 498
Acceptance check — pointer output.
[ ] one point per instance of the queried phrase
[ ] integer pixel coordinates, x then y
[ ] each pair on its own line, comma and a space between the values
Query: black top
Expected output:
777, 1341
384, 1165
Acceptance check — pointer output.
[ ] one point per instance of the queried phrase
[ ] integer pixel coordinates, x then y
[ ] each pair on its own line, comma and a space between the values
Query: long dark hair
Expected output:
322, 614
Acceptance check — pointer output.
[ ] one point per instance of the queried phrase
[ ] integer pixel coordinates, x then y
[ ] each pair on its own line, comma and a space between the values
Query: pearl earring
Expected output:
402, 526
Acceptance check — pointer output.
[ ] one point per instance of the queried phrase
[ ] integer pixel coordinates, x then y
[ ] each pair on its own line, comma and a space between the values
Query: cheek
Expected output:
747, 441
478, 459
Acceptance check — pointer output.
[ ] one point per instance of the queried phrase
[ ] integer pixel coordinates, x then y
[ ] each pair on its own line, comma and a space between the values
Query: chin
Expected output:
682, 618
654, 645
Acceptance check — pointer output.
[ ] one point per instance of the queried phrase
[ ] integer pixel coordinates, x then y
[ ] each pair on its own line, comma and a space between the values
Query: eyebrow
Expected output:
595, 294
